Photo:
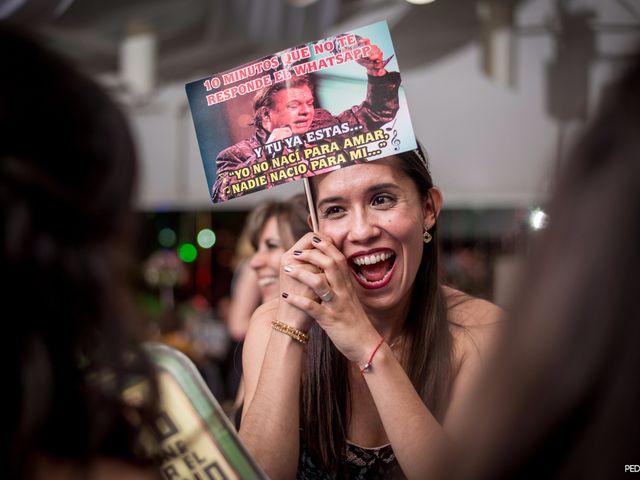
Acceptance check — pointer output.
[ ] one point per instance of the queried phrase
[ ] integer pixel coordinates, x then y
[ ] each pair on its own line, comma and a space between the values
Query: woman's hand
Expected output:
289, 286
334, 305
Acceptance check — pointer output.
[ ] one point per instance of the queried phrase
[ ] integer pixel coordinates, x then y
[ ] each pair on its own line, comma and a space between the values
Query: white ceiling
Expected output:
491, 144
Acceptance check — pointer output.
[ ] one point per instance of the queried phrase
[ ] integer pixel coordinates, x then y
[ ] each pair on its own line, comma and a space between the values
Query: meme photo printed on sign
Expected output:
301, 112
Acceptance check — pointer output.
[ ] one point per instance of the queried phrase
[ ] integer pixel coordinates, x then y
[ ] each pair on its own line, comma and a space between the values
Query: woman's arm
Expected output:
270, 421
245, 300
475, 326
272, 363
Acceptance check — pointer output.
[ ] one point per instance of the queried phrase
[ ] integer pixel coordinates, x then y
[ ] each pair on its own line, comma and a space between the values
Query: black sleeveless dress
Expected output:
359, 463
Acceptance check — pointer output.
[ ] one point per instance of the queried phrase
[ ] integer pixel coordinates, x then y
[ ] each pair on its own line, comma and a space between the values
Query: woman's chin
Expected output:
377, 299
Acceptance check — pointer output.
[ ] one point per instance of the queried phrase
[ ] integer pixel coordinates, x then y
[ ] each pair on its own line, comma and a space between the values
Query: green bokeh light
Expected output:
167, 237
187, 252
206, 238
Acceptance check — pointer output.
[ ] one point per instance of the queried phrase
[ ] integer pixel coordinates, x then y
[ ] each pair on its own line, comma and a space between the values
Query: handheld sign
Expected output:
196, 439
301, 112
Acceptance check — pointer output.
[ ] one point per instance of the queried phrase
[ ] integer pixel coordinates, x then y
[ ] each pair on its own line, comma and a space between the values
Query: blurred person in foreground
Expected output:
67, 172
562, 398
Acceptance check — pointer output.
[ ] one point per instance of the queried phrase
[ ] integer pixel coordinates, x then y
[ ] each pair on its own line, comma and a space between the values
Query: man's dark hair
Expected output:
264, 98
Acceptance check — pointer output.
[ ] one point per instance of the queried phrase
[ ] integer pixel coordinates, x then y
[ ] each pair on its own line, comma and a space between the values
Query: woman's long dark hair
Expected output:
428, 343
67, 173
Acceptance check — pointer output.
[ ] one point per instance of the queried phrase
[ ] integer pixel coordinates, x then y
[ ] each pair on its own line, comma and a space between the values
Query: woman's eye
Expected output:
382, 200
332, 211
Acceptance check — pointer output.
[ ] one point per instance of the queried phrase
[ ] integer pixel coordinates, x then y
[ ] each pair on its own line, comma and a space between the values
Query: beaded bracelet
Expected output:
293, 332
367, 366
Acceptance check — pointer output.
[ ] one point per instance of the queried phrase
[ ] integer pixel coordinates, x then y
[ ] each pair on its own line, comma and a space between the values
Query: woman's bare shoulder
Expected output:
475, 325
260, 325
265, 312
474, 322
471, 312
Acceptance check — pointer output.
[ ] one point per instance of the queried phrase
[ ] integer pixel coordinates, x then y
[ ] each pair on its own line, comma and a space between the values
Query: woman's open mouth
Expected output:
373, 269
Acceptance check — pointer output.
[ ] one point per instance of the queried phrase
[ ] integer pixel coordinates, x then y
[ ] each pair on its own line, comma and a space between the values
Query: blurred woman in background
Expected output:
67, 174
271, 228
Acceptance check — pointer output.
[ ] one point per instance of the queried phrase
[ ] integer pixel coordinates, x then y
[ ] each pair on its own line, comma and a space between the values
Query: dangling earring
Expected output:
426, 236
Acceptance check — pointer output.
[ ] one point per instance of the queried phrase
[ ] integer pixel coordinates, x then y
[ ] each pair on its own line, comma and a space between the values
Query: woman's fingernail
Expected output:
297, 252
285, 294
288, 269
316, 239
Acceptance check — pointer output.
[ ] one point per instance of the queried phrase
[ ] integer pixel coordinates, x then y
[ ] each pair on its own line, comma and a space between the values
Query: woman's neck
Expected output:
389, 322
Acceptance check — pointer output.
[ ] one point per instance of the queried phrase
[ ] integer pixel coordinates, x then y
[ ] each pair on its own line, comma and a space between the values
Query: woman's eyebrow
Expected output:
372, 188
382, 186
333, 199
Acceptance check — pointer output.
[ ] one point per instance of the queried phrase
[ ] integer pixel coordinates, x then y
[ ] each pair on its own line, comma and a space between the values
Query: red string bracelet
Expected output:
367, 366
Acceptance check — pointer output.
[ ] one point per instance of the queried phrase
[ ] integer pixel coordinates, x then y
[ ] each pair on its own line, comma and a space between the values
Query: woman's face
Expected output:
266, 261
375, 216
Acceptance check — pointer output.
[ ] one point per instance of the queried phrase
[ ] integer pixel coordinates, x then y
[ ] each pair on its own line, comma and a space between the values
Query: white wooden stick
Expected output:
312, 210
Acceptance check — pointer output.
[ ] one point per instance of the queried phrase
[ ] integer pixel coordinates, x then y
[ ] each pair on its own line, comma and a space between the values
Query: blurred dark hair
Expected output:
426, 336
562, 397
291, 218
67, 173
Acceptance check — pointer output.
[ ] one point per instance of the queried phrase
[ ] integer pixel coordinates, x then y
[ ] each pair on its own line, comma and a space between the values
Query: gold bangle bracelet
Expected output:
294, 333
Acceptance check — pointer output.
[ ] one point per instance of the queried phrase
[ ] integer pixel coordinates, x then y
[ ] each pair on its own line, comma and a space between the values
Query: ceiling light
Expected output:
538, 219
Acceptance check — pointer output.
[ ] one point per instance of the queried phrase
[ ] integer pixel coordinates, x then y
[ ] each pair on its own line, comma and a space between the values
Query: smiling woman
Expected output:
273, 228
358, 206
370, 357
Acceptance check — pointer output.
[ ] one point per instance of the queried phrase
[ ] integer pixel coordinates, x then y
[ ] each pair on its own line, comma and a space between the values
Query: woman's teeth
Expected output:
264, 281
372, 259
